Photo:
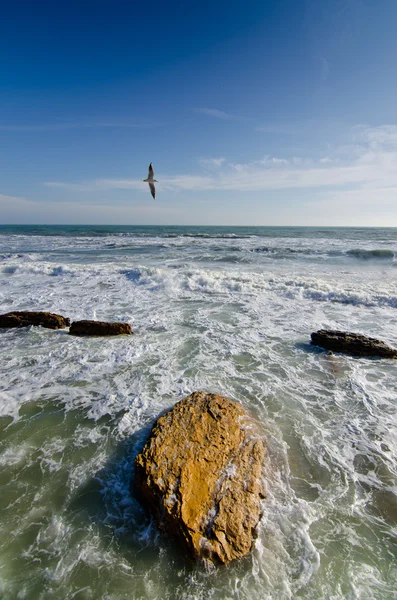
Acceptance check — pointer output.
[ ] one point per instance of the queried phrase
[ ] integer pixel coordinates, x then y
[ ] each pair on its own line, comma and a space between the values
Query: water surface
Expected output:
223, 309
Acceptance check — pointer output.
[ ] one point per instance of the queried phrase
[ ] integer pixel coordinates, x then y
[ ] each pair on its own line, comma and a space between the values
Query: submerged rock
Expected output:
200, 474
24, 318
352, 343
99, 328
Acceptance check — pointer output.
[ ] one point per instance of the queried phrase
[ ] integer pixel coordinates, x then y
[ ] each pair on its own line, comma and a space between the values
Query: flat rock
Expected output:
200, 475
99, 328
24, 318
352, 343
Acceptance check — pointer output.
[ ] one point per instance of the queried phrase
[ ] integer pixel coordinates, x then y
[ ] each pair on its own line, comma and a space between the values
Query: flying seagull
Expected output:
150, 180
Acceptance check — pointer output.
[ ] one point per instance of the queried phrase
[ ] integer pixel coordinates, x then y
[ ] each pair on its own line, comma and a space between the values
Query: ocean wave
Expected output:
222, 236
377, 254
200, 281
351, 298
320, 291
194, 281
283, 252
299, 252
225, 258
38, 269
8, 256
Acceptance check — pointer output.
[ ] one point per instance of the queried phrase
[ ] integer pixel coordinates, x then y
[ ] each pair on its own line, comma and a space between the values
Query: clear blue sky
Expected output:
279, 112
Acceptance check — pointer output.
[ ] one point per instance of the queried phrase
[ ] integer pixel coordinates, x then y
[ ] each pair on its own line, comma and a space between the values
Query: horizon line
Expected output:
173, 225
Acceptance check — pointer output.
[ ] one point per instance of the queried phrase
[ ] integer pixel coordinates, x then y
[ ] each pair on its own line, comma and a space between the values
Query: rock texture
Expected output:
99, 328
200, 474
352, 343
23, 318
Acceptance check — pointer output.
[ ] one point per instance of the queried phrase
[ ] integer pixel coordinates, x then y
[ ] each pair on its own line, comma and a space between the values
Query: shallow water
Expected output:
227, 310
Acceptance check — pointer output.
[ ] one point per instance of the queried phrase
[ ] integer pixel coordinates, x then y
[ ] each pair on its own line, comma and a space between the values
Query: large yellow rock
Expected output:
200, 474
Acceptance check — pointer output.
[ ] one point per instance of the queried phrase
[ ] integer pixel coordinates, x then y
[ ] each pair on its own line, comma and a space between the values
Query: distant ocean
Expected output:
221, 309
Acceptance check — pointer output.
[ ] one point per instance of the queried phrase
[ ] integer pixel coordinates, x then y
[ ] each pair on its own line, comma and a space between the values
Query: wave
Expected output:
224, 236
38, 269
287, 252
378, 254
226, 284
341, 297
277, 252
320, 291
218, 259
180, 235
12, 256
135, 247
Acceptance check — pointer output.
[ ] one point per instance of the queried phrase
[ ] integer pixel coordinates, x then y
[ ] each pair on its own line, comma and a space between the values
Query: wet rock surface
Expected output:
99, 328
200, 474
352, 343
24, 318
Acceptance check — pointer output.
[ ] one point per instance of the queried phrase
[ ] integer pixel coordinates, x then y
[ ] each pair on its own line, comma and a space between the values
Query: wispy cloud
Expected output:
377, 137
25, 210
96, 185
214, 112
305, 128
211, 163
324, 68
367, 162
58, 126
5, 199
332, 30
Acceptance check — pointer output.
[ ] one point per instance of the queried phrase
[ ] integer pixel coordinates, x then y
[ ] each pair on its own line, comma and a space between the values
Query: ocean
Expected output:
227, 310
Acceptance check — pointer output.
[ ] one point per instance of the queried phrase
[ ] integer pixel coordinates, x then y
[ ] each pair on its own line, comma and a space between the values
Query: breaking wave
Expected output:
377, 254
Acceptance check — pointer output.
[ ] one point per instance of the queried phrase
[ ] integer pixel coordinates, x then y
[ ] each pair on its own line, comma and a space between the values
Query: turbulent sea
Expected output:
225, 310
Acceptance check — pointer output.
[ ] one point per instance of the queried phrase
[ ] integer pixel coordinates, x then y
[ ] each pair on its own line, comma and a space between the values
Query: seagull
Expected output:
150, 180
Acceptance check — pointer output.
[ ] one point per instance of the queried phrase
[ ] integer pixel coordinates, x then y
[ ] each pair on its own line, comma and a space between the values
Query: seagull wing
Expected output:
151, 172
152, 190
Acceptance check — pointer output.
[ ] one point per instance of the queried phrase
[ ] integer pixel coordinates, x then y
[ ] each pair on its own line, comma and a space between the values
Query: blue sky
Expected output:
279, 112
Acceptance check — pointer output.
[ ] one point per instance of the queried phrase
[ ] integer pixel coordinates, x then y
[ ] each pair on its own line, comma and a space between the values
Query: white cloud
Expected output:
214, 112
324, 68
23, 210
97, 185
86, 124
377, 137
210, 163
4, 199
372, 207
368, 164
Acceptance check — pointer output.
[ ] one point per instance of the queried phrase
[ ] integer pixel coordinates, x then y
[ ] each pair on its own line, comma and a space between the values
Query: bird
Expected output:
150, 180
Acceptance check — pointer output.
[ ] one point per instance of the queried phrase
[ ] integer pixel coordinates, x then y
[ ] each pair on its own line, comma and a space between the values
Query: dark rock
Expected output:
200, 474
99, 328
352, 343
24, 318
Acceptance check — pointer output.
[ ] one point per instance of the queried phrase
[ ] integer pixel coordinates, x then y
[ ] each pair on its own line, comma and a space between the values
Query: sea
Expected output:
227, 310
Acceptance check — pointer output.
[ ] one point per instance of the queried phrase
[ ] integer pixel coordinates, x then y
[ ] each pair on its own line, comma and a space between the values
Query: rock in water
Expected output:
99, 328
352, 343
24, 318
200, 474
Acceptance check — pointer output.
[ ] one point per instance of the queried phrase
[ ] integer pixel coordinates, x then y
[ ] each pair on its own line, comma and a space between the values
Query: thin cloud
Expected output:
303, 127
367, 163
324, 68
210, 163
4, 198
22, 210
96, 185
214, 112
76, 125
384, 135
